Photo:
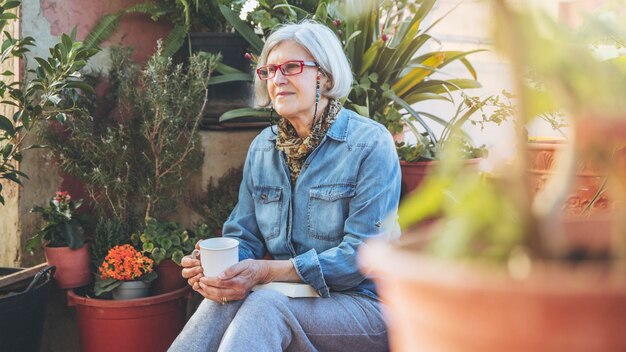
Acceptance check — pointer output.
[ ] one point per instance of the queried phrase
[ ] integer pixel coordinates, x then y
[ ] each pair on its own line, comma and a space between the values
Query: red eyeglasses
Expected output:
289, 68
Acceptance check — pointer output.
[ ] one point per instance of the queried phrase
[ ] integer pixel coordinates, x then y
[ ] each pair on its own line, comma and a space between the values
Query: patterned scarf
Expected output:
297, 149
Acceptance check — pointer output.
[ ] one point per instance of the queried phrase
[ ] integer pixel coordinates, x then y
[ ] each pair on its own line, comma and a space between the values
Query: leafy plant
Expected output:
165, 240
64, 227
109, 232
204, 16
123, 263
185, 15
381, 42
152, 132
267, 14
34, 99
220, 199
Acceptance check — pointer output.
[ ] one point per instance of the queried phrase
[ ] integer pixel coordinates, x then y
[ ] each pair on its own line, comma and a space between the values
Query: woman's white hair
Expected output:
326, 50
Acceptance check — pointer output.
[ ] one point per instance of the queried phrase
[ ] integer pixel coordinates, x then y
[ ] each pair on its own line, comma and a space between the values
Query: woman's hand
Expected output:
235, 282
192, 269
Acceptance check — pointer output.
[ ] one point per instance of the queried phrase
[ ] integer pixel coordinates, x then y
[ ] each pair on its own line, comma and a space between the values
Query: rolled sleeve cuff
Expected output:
245, 253
308, 268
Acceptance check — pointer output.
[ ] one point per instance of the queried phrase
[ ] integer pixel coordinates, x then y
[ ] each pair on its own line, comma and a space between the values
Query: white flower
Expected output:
248, 7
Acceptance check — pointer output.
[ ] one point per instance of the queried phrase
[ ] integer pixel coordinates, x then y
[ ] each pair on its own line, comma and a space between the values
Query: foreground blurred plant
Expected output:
493, 218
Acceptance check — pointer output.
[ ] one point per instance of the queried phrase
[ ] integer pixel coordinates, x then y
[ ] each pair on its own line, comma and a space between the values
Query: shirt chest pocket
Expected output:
328, 210
267, 209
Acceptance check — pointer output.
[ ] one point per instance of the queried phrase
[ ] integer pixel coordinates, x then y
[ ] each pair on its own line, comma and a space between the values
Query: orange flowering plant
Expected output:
123, 263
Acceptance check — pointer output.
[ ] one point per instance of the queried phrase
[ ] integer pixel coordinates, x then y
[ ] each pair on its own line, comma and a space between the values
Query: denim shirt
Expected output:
347, 187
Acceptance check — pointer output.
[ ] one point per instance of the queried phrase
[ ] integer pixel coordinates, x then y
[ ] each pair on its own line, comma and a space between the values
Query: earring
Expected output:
272, 120
317, 95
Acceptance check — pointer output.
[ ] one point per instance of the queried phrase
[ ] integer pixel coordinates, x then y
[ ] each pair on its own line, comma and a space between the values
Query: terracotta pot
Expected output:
142, 325
588, 180
72, 265
169, 279
434, 305
414, 172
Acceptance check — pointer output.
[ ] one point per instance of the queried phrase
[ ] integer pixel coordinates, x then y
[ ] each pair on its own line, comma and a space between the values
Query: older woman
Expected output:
314, 188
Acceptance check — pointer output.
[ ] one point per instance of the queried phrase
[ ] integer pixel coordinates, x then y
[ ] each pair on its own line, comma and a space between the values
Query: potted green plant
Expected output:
125, 272
34, 99
199, 26
500, 271
417, 160
166, 243
150, 125
63, 239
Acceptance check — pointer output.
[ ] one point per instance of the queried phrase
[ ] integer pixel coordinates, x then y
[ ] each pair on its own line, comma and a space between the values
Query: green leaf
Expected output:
230, 77
174, 41
10, 5
107, 285
8, 16
102, 30
12, 177
26, 121
443, 86
148, 247
80, 85
177, 256
225, 69
7, 125
45, 65
158, 254
413, 114
6, 151
243, 28
244, 112
67, 43
33, 242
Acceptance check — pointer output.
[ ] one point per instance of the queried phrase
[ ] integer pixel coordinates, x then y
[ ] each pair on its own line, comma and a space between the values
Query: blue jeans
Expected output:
269, 321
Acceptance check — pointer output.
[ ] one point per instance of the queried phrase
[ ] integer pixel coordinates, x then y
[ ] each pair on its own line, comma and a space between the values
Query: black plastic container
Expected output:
23, 311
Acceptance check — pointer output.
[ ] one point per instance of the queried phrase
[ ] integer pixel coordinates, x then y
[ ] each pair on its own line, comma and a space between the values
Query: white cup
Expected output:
217, 254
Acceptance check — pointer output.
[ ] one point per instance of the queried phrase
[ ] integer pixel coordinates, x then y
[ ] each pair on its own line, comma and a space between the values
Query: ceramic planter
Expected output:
448, 306
131, 290
72, 265
141, 325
